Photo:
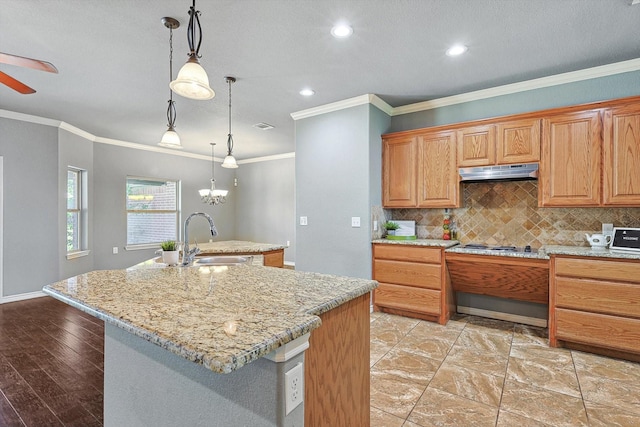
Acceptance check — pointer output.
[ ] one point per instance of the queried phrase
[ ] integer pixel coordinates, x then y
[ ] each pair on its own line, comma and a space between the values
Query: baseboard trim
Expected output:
22, 297
533, 321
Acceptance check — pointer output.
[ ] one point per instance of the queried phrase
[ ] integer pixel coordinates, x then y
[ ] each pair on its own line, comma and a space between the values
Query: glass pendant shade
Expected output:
229, 162
170, 139
192, 82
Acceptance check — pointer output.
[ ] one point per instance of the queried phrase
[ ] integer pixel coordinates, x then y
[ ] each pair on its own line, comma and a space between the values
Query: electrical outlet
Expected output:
375, 225
288, 243
303, 220
355, 221
115, 250
294, 391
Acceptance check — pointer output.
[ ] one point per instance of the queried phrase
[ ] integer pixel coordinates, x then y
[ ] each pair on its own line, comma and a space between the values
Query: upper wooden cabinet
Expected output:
508, 142
438, 181
622, 156
477, 146
518, 141
419, 170
399, 172
570, 163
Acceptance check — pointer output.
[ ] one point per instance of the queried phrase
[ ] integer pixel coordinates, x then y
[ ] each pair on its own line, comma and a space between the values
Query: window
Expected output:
153, 213
76, 212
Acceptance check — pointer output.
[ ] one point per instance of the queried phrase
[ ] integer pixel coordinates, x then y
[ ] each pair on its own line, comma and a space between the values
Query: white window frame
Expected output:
81, 209
177, 211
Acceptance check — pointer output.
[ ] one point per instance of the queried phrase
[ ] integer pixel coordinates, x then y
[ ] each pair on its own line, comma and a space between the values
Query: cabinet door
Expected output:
622, 156
570, 160
438, 181
518, 141
399, 172
476, 146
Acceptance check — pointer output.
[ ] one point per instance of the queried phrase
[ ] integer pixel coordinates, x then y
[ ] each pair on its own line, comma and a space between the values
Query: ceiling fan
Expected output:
20, 61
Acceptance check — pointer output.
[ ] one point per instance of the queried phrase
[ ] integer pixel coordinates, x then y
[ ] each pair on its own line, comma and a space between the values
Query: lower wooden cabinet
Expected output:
595, 303
274, 258
413, 282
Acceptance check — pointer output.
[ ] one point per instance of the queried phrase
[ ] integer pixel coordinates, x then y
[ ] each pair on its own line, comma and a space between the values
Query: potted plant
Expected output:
391, 227
170, 252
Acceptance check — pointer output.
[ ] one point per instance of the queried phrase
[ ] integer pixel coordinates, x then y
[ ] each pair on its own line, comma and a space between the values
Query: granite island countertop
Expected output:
237, 247
221, 317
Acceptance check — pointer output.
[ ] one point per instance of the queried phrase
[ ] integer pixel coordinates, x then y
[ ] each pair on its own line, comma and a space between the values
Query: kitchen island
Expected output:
211, 345
272, 254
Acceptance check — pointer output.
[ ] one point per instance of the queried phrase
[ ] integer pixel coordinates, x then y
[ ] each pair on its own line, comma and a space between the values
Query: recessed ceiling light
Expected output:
456, 50
307, 92
341, 31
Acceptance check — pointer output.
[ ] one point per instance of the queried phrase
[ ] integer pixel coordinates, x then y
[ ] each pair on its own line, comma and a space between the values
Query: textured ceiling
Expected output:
114, 72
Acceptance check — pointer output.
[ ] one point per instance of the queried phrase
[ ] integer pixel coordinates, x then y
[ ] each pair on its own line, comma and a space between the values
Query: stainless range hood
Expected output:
499, 173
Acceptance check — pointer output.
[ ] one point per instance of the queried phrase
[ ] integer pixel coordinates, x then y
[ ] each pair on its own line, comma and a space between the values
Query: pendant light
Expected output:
230, 161
212, 196
170, 139
192, 81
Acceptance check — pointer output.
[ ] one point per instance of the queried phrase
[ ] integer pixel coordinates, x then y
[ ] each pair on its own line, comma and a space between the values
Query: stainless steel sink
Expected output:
223, 260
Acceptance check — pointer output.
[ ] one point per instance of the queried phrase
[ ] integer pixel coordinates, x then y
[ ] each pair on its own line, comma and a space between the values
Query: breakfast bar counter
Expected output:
236, 322
273, 254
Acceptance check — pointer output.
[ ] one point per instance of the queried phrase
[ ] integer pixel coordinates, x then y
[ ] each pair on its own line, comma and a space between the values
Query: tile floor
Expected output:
482, 372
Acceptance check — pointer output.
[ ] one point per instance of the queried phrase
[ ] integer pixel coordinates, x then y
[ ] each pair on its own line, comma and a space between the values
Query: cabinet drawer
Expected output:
407, 298
621, 299
598, 269
612, 332
407, 273
408, 253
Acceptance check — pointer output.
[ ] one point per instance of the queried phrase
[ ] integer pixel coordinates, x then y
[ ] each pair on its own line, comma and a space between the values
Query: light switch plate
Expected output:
355, 221
303, 220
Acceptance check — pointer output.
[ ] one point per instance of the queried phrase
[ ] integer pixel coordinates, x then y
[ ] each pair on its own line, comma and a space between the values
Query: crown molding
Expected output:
151, 148
540, 83
77, 131
268, 158
29, 118
341, 105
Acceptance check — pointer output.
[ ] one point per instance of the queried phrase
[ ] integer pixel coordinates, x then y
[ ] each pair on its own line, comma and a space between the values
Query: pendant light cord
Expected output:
229, 137
171, 110
213, 177
191, 31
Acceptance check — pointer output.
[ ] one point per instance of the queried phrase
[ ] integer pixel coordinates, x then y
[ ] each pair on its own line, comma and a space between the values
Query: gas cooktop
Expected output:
498, 248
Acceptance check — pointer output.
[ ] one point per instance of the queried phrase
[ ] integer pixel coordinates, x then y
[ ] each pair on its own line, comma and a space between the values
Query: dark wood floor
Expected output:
51, 365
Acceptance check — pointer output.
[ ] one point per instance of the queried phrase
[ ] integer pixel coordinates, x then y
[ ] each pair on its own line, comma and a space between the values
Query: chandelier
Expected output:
171, 139
230, 161
212, 196
192, 81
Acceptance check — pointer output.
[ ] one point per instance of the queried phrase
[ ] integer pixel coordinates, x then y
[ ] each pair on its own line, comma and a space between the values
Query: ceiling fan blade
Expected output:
21, 61
15, 84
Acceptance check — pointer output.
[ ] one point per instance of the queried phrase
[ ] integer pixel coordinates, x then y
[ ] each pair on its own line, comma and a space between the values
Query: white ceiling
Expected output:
114, 68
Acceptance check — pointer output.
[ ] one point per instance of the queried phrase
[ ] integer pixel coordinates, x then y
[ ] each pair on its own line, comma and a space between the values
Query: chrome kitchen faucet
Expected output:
187, 254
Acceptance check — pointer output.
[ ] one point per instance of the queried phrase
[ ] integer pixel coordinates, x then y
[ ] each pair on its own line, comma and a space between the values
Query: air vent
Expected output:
263, 126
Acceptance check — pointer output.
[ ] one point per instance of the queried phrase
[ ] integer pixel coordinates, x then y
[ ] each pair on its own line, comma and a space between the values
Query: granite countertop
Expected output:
237, 247
589, 252
221, 317
419, 242
536, 254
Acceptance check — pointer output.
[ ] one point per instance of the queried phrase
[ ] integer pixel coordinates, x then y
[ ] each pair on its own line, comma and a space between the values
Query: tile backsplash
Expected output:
501, 213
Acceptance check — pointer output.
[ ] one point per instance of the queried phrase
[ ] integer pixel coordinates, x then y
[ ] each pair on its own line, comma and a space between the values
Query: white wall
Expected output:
334, 178
265, 206
30, 193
